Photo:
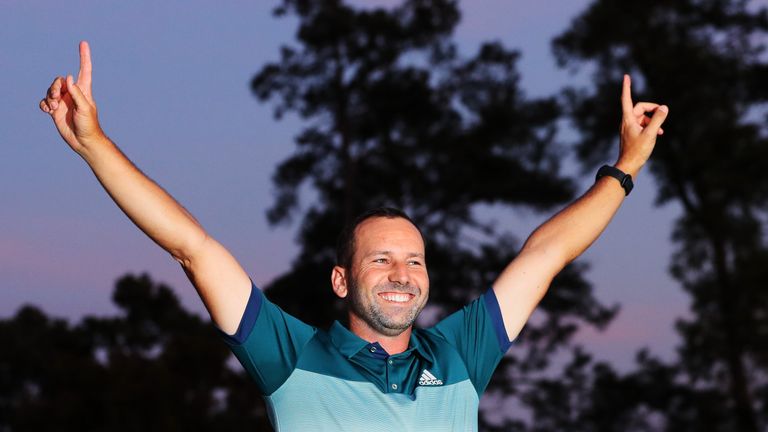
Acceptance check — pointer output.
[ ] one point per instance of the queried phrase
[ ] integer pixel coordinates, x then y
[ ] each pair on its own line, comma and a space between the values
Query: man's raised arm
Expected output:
566, 235
221, 282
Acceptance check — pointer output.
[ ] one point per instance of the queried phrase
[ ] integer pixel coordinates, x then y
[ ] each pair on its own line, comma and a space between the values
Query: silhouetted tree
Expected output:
395, 116
705, 59
154, 367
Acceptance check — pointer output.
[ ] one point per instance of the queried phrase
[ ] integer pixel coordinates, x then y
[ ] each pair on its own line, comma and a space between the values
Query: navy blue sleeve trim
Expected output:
492, 305
248, 320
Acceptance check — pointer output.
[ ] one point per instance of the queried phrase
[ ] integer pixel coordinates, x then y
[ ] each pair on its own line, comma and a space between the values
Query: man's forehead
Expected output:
384, 234
390, 252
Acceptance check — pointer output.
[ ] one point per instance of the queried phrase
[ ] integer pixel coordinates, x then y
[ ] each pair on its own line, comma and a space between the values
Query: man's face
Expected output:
388, 283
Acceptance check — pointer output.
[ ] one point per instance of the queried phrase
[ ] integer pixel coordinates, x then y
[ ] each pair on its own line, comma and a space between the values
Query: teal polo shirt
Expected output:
316, 380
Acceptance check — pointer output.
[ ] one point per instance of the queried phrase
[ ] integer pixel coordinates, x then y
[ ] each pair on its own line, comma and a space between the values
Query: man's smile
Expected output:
396, 297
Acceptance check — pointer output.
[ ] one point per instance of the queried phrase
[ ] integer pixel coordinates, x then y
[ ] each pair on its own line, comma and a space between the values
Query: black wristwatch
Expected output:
624, 179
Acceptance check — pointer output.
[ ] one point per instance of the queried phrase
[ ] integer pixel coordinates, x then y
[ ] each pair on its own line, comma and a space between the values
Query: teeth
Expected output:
396, 297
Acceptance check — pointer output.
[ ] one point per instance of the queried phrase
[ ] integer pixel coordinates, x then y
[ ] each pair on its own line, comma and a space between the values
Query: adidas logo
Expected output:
427, 379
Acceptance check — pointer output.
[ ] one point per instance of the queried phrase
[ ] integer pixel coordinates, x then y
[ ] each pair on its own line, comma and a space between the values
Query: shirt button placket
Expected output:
389, 363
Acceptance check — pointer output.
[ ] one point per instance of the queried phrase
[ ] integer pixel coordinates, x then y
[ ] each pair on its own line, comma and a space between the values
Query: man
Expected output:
380, 373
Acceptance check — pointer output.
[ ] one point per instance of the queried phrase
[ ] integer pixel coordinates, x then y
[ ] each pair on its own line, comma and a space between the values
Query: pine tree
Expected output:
704, 58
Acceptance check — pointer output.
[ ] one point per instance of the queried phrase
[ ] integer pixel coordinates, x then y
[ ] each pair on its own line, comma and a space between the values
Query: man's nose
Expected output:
399, 273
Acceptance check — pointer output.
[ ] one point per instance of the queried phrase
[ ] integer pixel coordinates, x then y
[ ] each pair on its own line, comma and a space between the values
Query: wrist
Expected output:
628, 167
91, 148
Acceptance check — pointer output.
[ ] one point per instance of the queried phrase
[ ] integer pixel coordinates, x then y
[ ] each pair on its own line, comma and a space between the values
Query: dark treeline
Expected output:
394, 114
153, 367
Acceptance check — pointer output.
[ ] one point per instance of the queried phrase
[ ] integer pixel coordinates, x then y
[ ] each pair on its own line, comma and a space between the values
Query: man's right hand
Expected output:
72, 108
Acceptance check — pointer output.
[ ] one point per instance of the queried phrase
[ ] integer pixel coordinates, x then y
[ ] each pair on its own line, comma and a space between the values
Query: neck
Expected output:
392, 344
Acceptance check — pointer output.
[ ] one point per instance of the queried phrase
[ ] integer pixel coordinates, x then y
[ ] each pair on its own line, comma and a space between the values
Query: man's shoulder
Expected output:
478, 322
477, 305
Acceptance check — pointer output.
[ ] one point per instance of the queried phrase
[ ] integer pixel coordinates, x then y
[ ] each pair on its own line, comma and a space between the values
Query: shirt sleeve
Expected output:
268, 341
477, 332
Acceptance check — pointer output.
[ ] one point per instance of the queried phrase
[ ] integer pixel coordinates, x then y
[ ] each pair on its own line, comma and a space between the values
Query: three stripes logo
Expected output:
427, 379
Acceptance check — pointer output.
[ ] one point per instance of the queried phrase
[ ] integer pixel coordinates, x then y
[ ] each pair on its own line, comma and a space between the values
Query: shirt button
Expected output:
394, 386
373, 349
390, 361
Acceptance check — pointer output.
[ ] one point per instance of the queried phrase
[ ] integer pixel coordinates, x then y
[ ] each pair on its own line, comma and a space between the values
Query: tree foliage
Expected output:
153, 367
706, 60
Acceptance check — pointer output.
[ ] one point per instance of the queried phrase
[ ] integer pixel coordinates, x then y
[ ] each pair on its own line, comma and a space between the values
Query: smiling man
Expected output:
380, 373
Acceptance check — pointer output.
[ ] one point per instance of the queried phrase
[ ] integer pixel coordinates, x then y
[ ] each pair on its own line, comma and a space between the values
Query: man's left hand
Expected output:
638, 131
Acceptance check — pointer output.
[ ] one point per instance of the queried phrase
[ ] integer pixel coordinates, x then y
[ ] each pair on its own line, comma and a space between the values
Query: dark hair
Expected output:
345, 246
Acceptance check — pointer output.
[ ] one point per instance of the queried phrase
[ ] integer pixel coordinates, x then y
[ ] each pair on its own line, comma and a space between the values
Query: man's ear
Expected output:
339, 281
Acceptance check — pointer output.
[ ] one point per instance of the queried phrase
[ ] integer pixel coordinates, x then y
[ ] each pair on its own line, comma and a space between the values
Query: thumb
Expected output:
659, 115
77, 95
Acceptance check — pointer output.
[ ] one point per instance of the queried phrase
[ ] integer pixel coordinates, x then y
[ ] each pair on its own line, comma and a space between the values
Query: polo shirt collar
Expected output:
345, 341
349, 344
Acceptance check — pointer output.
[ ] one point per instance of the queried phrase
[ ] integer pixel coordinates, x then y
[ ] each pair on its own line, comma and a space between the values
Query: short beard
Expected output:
375, 317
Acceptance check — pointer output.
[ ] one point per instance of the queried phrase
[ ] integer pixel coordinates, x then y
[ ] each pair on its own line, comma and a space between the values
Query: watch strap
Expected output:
625, 180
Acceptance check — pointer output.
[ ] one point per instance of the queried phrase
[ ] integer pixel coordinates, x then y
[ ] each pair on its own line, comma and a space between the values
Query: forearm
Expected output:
152, 209
571, 231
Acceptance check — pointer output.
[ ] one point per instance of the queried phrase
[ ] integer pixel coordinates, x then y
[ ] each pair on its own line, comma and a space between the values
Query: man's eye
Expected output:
380, 260
414, 262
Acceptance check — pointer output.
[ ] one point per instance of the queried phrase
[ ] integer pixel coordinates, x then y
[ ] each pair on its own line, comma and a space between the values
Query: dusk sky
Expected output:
171, 82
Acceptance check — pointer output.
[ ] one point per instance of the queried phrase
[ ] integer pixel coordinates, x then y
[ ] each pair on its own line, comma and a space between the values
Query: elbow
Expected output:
185, 253
183, 261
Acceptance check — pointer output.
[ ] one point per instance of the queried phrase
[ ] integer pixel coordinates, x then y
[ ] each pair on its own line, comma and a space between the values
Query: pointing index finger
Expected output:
626, 96
84, 77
